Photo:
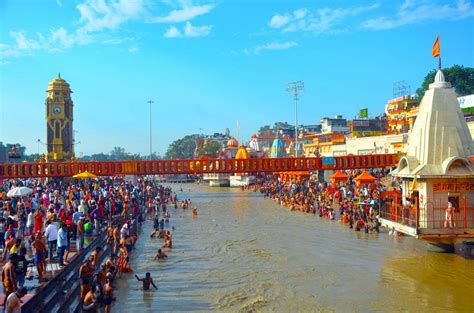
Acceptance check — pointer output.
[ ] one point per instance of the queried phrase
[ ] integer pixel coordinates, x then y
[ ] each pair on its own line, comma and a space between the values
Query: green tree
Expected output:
281, 125
118, 153
182, 148
210, 149
264, 129
460, 77
98, 157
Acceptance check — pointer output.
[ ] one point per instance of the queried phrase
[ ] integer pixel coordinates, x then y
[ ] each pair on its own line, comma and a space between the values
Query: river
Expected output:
244, 253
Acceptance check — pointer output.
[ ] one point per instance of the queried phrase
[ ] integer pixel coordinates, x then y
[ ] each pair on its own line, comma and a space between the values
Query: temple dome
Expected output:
440, 142
278, 148
242, 153
232, 143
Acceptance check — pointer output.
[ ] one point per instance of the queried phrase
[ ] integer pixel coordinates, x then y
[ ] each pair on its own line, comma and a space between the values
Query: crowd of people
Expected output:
356, 206
59, 217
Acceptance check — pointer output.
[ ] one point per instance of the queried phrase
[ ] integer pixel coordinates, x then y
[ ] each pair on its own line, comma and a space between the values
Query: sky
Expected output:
208, 64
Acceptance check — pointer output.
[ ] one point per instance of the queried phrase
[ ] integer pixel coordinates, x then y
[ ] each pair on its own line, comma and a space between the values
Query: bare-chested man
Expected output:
116, 235
86, 272
107, 292
147, 281
160, 255
9, 278
90, 302
95, 257
39, 248
449, 221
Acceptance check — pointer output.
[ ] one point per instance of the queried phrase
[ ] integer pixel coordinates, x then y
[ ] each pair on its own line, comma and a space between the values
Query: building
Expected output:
59, 119
323, 144
367, 127
310, 129
397, 110
3, 154
371, 145
334, 125
438, 178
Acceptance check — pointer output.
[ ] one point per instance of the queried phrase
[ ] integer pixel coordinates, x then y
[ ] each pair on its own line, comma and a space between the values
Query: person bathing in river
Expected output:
160, 255
147, 281
168, 240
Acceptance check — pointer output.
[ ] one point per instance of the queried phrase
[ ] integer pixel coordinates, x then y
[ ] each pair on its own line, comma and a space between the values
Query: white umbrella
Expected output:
19, 192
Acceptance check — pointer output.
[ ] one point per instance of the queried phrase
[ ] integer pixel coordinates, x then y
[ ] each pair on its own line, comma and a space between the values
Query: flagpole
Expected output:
439, 61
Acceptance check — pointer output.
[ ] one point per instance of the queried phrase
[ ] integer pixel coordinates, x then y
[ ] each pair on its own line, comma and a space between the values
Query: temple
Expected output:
278, 148
437, 200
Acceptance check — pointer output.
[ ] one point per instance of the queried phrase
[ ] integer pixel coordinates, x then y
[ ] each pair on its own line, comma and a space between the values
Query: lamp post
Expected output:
150, 102
295, 88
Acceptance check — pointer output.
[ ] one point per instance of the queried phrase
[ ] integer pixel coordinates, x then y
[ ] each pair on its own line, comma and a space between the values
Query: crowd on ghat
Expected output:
42, 228
354, 206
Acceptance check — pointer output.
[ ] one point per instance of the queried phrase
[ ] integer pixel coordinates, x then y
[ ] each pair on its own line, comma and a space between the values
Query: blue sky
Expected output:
207, 64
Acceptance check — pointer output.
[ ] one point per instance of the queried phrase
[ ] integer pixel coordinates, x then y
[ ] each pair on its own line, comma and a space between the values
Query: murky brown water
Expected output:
245, 253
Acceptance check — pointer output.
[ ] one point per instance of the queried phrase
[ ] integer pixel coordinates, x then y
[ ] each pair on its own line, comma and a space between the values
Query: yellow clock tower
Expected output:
59, 117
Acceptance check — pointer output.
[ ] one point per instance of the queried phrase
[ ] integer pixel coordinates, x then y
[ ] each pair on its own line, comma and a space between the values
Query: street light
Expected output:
150, 102
295, 88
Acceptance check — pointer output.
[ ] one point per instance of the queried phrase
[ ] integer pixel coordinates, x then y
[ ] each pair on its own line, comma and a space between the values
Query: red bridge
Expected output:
164, 167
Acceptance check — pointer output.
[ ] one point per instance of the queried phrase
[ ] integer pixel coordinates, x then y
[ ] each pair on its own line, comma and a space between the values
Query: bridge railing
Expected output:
164, 167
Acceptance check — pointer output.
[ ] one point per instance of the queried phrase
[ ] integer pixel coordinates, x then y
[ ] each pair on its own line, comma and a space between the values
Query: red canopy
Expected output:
365, 178
338, 176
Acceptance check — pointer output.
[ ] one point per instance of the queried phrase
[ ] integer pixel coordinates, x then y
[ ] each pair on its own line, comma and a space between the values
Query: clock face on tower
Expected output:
57, 110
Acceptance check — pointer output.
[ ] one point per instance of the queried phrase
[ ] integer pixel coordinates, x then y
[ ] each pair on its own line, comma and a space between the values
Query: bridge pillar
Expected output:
321, 176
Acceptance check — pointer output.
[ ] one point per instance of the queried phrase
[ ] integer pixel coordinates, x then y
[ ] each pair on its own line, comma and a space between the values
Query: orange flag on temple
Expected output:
435, 50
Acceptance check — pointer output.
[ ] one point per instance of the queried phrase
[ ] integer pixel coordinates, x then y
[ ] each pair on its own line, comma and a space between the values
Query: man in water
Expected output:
160, 255
146, 281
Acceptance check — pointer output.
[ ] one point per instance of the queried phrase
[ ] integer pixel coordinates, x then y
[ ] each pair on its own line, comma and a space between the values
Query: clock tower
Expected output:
59, 117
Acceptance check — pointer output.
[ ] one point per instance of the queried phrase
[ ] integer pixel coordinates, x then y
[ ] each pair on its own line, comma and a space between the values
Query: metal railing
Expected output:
432, 216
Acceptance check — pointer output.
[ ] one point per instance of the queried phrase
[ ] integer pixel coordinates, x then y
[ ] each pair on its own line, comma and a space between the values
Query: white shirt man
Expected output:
51, 232
82, 208
30, 220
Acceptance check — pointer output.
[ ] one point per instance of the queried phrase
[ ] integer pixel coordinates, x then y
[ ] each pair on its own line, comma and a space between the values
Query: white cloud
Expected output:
172, 32
62, 37
324, 20
413, 13
186, 13
188, 31
101, 14
59, 3
133, 50
270, 46
278, 20
96, 17
196, 31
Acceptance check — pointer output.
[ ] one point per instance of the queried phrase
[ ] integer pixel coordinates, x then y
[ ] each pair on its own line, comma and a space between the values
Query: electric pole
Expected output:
295, 88
150, 103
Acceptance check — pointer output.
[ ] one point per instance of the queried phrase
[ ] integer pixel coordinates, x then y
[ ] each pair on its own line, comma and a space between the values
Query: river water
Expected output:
244, 253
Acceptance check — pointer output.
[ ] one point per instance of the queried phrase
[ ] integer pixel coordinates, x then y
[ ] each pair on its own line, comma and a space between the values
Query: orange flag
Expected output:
435, 50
